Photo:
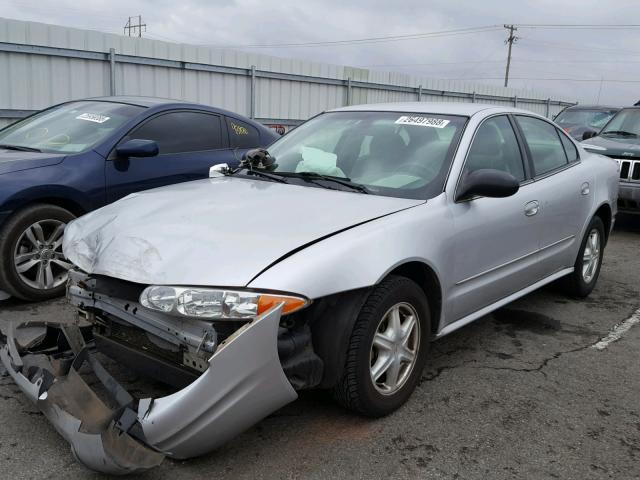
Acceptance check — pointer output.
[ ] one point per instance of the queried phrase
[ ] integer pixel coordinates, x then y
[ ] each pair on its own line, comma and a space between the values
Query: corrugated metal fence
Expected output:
42, 64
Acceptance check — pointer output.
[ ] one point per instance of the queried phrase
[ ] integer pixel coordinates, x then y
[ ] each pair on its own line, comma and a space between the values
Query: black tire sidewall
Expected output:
377, 404
9, 235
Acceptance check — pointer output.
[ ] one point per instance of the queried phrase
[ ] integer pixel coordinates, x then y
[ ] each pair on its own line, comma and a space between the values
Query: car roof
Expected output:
594, 107
442, 108
161, 103
140, 101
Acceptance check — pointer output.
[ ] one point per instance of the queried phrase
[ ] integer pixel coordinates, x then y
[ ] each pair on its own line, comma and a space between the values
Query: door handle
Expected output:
584, 189
531, 208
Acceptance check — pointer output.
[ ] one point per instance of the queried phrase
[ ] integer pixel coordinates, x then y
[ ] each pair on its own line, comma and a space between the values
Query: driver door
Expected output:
496, 239
189, 143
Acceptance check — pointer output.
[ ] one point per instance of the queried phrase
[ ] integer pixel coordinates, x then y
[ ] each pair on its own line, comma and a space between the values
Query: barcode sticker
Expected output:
422, 121
93, 117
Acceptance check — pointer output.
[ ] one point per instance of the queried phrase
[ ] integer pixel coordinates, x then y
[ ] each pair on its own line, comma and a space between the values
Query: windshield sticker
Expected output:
93, 117
422, 121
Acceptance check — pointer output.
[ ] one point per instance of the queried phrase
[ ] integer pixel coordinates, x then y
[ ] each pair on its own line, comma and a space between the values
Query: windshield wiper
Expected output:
622, 133
260, 173
329, 178
20, 148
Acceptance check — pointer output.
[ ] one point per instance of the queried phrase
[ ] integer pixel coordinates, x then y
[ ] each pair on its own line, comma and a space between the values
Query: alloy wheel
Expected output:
38, 256
394, 349
591, 256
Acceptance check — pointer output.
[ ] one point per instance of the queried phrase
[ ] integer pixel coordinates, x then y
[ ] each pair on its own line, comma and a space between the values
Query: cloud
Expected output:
540, 54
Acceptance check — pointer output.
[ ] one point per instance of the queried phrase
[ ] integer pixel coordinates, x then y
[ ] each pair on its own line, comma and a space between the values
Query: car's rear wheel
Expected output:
33, 265
587, 266
387, 349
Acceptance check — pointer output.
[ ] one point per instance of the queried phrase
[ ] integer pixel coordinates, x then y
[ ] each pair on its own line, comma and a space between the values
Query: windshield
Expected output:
588, 118
70, 128
627, 120
394, 154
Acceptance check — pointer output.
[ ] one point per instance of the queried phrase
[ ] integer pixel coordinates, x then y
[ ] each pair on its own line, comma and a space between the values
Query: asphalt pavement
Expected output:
520, 394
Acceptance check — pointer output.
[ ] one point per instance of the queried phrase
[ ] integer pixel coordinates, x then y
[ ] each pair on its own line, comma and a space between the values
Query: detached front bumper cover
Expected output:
243, 384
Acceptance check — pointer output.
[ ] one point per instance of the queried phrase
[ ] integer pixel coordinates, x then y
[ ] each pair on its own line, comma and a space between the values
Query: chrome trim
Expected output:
506, 264
633, 165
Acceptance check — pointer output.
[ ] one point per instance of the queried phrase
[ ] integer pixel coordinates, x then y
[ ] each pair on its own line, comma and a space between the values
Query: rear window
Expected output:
242, 135
547, 151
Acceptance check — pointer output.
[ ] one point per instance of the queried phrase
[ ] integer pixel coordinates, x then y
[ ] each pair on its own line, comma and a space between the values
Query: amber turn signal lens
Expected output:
291, 304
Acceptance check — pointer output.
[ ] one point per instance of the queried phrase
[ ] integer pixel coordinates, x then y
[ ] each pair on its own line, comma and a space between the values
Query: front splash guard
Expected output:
243, 384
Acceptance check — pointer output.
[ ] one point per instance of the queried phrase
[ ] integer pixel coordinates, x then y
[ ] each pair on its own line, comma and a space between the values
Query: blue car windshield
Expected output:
70, 128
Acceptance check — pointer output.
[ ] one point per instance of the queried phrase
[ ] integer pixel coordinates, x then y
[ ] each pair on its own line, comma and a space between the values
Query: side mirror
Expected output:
137, 148
218, 170
589, 134
488, 183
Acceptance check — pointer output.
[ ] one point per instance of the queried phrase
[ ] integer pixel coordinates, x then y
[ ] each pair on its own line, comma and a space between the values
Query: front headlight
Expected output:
216, 303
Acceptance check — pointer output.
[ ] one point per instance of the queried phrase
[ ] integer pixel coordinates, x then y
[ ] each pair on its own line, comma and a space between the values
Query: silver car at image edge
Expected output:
330, 261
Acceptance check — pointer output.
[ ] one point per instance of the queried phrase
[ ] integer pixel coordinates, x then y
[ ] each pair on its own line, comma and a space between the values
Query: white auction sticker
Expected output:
422, 121
93, 117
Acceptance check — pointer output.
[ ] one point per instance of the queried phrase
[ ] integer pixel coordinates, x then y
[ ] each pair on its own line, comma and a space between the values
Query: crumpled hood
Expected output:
218, 232
14, 161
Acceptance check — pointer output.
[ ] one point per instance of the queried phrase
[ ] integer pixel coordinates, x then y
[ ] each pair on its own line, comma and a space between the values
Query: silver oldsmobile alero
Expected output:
329, 261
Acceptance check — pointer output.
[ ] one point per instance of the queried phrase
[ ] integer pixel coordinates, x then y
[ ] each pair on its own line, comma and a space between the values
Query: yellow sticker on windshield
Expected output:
422, 121
93, 117
239, 129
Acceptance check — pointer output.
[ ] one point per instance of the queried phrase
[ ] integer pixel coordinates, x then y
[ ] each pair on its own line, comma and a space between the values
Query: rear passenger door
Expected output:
189, 143
562, 186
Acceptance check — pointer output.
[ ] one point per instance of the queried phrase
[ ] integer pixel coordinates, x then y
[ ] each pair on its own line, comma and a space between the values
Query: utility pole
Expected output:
130, 26
600, 90
510, 41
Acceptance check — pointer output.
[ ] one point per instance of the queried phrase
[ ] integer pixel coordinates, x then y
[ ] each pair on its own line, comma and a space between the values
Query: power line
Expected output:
517, 60
360, 41
586, 26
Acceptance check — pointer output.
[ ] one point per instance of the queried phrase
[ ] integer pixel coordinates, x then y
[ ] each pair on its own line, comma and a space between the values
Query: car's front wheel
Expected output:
387, 349
32, 264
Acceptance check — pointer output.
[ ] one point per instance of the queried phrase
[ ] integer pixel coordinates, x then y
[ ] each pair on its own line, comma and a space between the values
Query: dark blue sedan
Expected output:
78, 156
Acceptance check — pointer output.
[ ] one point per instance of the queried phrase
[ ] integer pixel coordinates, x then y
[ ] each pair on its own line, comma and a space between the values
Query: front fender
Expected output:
362, 256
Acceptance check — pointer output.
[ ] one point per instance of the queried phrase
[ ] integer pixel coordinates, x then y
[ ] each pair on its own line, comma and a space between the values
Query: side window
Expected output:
179, 132
242, 135
569, 148
495, 146
544, 144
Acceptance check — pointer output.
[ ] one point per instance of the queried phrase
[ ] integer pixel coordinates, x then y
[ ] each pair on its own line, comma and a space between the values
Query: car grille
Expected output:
629, 169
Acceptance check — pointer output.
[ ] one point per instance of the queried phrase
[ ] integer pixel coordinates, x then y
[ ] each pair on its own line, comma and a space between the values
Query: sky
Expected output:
588, 65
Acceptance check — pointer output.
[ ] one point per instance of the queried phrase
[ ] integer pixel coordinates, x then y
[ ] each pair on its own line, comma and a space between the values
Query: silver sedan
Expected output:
332, 260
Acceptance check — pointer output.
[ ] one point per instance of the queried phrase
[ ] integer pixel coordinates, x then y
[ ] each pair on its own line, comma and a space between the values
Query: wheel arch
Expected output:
606, 215
427, 278
71, 202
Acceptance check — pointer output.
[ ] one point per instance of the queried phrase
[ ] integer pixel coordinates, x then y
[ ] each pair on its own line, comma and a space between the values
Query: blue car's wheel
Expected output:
33, 265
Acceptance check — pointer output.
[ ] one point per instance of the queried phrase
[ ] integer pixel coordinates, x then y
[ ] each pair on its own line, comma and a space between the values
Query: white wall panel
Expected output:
31, 81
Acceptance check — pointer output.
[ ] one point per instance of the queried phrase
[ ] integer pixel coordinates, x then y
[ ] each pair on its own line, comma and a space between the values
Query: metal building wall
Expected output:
42, 64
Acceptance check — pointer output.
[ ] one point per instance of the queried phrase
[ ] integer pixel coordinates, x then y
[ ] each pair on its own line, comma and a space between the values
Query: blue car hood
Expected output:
14, 161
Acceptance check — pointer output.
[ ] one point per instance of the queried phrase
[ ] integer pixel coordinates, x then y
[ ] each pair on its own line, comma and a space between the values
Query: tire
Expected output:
580, 284
15, 244
356, 389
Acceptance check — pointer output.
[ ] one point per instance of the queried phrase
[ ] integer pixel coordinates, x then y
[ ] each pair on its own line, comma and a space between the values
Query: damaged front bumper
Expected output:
243, 383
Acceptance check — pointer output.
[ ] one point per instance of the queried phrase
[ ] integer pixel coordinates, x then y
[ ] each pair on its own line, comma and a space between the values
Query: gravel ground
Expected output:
520, 393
